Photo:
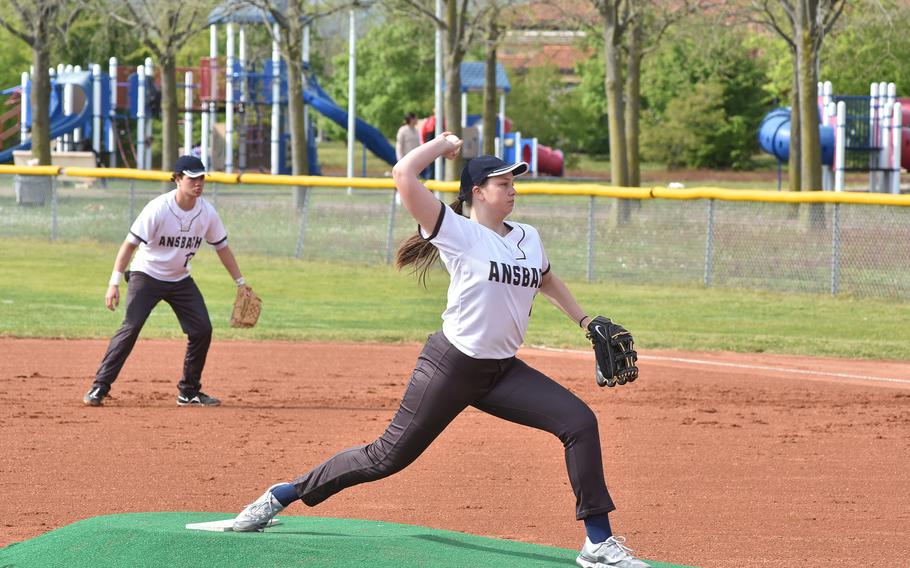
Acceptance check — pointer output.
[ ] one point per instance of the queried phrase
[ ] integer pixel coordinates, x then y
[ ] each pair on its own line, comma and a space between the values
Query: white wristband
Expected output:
240, 281
116, 277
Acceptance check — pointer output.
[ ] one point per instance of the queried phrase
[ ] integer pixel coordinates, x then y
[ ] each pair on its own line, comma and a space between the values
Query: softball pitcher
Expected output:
168, 233
496, 269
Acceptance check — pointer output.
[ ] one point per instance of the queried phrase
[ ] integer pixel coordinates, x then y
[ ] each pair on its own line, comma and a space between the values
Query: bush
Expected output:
702, 99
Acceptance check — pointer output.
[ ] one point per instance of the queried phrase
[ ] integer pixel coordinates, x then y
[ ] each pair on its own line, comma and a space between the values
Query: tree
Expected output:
494, 29
385, 97
164, 27
648, 21
460, 28
703, 92
35, 23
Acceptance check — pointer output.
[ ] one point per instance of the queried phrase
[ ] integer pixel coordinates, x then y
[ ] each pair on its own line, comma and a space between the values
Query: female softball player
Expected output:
168, 233
496, 269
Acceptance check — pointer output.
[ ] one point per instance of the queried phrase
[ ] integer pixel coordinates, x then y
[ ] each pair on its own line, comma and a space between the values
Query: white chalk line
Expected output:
788, 370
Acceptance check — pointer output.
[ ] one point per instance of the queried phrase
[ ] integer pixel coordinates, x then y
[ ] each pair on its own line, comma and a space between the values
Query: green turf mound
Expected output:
160, 540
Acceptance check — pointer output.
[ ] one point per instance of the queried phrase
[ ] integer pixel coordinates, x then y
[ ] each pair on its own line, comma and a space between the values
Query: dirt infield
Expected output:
712, 459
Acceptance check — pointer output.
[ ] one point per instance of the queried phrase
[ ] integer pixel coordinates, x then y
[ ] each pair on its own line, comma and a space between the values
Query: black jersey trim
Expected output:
442, 213
547, 270
215, 244
145, 242
180, 219
524, 255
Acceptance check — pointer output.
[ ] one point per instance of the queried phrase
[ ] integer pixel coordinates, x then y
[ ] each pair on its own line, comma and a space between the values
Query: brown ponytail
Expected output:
420, 252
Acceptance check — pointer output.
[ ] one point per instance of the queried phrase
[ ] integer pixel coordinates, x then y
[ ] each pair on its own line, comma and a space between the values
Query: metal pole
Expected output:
23, 109
213, 94
77, 132
438, 95
591, 239
149, 81
391, 228
188, 112
229, 103
835, 251
304, 215
840, 146
502, 125
241, 138
112, 127
873, 133
96, 109
132, 201
709, 245
53, 208
896, 133
140, 118
352, 93
276, 101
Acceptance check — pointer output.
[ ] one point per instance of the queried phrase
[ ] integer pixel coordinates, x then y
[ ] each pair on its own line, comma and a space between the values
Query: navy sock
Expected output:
598, 528
285, 494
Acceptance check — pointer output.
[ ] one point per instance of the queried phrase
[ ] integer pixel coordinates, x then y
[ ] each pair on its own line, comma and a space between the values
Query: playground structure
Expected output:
857, 134
111, 113
509, 146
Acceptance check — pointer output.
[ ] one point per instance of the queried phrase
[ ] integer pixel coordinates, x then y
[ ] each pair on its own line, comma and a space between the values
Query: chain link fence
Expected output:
845, 248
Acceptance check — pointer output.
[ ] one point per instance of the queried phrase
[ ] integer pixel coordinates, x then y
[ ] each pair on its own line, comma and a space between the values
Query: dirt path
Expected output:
714, 459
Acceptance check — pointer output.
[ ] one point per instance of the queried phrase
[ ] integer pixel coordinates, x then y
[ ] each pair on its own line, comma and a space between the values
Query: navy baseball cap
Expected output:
483, 167
190, 166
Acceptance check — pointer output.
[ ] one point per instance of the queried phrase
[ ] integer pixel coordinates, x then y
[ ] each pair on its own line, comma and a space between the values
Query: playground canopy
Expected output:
474, 73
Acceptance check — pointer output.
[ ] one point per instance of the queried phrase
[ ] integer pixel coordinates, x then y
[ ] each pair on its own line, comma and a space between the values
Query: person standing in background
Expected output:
407, 138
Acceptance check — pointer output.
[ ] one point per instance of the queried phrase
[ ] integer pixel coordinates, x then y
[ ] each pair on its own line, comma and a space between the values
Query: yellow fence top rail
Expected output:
523, 187
29, 170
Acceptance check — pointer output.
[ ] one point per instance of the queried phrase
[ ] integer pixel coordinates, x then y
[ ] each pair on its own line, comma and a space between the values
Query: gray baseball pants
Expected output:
143, 294
445, 382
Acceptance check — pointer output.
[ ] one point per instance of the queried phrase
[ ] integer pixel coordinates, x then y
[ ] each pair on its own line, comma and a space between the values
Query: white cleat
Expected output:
256, 516
611, 553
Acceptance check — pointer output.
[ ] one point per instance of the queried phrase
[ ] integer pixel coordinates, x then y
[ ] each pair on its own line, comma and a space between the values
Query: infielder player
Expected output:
168, 233
496, 269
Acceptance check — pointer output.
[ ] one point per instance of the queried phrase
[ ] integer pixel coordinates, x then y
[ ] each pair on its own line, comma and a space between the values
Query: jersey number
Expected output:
188, 257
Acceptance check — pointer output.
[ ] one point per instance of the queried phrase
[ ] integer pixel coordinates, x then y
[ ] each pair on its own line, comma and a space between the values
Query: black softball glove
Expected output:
614, 351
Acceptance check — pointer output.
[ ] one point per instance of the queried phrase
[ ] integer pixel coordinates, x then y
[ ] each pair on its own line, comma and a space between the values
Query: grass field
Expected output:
57, 290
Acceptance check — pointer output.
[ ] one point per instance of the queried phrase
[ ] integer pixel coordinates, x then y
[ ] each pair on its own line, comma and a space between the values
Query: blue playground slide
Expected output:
368, 135
774, 136
61, 124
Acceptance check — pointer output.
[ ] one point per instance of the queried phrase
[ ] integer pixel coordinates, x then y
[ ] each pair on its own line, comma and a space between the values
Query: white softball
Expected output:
452, 138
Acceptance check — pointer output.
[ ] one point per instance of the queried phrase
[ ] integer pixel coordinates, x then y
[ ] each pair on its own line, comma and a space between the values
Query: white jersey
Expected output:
168, 237
494, 280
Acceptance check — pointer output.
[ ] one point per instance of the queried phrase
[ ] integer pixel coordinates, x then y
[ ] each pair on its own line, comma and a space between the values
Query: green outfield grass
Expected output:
57, 290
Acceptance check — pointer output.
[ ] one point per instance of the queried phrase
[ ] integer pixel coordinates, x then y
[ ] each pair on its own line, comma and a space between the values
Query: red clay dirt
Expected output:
713, 459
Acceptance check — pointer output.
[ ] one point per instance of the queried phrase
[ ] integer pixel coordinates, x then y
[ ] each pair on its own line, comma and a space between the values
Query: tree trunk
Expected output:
169, 112
489, 94
613, 87
793, 169
299, 162
810, 156
454, 57
633, 104
40, 97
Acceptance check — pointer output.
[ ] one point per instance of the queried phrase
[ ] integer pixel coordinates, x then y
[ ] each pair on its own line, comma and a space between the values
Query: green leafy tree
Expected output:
872, 45
693, 64
395, 65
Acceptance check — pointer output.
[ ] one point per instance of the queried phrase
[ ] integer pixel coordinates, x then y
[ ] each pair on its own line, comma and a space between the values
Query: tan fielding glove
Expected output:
246, 308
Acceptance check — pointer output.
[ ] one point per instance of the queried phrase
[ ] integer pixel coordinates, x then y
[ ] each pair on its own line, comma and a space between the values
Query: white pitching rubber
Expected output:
226, 525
